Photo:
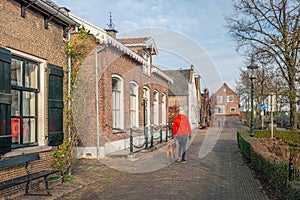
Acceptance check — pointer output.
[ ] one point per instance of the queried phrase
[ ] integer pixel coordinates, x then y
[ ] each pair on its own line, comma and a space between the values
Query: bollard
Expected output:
160, 132
151, 142
167, 134
131, 142
146, 137
291, 168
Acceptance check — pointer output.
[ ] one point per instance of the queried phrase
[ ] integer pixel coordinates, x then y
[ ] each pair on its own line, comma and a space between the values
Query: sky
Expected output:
186, 32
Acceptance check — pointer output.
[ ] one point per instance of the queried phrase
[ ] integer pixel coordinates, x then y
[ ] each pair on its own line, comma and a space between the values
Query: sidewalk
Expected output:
217, 174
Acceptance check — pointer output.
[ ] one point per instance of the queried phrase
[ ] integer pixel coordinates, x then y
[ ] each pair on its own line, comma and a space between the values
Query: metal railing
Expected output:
156, 137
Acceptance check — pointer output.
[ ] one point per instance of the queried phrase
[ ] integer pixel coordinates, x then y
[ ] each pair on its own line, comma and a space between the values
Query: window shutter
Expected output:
5, 100
55, 105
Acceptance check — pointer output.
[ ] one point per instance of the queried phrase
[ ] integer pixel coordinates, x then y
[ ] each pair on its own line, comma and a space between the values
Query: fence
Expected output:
155, 138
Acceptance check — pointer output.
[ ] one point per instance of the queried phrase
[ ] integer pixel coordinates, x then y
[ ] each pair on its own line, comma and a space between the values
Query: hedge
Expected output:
275, 174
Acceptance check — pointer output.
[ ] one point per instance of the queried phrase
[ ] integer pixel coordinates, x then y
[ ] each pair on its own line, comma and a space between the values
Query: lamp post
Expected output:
252, 67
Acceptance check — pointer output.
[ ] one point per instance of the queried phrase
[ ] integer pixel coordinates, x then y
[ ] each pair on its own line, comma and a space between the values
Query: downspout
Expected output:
69, 76
69, 83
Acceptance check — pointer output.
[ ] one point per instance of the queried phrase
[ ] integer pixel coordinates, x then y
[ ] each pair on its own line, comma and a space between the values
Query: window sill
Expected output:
27, 150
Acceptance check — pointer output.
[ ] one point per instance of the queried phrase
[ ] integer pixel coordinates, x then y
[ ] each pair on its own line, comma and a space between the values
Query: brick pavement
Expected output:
222, 174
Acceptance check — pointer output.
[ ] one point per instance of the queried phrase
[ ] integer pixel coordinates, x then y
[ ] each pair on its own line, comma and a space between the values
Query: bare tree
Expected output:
270, 28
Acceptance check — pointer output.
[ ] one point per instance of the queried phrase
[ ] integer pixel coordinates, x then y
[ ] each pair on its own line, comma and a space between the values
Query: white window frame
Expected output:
134, 106
41, 108
146, 96
220, 99
163, 109
232, 108
120, 124
221, 108
228, 98
156, 107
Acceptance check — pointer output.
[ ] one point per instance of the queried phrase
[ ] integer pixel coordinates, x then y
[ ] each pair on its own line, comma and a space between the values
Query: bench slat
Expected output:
19, 160
24, 179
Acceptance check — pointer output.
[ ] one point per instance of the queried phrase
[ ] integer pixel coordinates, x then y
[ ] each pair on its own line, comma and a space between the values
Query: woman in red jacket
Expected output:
181, 131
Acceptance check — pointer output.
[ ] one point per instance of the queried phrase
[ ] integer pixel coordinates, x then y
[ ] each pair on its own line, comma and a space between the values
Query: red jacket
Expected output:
181, 126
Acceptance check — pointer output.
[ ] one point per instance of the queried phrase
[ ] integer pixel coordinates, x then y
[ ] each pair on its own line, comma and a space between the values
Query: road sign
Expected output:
262, 107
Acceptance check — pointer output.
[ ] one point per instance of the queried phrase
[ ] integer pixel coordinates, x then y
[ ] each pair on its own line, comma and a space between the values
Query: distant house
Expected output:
226, 102
185, 92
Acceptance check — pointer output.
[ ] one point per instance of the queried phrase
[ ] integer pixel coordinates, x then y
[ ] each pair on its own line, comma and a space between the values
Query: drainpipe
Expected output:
69, 83
69, 75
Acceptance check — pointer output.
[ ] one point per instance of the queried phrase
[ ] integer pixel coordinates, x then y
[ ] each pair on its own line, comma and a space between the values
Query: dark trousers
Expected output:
182, 146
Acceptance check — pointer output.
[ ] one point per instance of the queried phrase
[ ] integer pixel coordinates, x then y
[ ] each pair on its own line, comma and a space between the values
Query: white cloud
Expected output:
203, 21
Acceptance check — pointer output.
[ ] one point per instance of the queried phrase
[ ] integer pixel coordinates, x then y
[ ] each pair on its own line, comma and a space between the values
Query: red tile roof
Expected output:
133, 40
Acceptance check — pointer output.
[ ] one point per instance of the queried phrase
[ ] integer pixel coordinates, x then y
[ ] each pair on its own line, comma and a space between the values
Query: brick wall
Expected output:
112, 62
28, 35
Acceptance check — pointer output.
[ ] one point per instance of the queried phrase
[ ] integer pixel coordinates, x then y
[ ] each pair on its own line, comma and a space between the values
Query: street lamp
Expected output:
252, 67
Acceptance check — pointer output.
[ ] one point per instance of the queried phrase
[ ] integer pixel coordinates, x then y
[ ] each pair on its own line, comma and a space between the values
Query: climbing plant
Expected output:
77, 49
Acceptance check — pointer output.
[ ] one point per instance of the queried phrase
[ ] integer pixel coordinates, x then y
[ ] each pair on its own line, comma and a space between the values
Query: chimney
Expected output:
111, 31
191, 74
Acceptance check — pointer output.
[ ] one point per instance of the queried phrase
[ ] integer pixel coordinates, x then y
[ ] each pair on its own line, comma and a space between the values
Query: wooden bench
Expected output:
25, 159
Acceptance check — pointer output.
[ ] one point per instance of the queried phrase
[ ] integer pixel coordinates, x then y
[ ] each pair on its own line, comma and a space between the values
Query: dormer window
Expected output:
146, 56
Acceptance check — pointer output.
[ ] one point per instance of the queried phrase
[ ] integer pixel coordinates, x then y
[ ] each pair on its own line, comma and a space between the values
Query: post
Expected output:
160, 133
252, 109
272, 130
252, 67
167, 128
131, 142
291, 168
145, 124
262, 120
152, 129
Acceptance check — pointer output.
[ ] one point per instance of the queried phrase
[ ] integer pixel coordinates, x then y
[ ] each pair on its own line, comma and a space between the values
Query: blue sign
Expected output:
262, 107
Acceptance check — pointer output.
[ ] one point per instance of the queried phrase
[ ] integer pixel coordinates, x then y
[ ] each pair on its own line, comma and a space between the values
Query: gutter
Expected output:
54, 12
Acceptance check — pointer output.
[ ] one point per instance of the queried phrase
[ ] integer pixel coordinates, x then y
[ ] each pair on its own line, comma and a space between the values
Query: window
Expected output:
220, 99
232, 109
156, 107
117, 102
146, 99
219, 110
24, 90
230, 98
147, 57
163, 109
133, 104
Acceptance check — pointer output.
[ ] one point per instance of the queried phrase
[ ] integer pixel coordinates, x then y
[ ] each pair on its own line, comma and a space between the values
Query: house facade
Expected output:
32, 56
132, 93
226, 102
185, 92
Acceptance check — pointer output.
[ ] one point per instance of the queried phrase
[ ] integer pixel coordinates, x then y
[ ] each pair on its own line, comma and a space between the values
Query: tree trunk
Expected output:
293, 107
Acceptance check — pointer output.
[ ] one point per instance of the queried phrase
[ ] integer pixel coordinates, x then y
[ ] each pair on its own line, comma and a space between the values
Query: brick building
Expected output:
32, 55
226, 102
128, 86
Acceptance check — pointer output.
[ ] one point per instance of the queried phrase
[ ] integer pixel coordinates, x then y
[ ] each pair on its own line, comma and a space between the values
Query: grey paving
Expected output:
222, 174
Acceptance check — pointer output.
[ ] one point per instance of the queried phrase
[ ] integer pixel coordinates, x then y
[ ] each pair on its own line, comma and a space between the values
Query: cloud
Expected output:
203, 21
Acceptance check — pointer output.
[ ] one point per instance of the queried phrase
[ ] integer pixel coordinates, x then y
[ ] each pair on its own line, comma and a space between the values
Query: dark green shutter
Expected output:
55, 105
5, 100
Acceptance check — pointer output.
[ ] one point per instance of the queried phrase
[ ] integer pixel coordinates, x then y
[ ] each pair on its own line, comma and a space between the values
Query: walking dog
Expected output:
170, 151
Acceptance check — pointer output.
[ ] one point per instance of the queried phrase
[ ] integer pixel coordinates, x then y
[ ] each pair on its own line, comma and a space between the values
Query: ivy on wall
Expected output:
80, 45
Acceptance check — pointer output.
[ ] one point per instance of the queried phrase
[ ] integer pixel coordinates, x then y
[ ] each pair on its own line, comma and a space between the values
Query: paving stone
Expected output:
222, 174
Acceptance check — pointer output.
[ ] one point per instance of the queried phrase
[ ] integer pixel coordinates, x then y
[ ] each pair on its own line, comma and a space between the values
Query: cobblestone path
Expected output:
222, 174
